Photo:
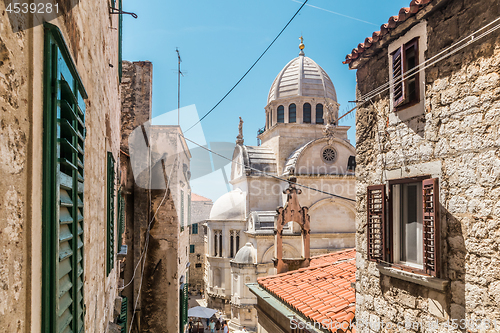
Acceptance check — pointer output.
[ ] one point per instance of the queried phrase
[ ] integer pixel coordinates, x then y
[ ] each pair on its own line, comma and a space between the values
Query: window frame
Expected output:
292, 111
386, 236
58, 60
191, 248
280, 111
403, 102
307, 111
322, 109
110, 212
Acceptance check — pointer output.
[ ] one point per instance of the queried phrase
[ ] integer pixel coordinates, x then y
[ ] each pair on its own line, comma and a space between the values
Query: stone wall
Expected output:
92, 38
456, 138
200, 211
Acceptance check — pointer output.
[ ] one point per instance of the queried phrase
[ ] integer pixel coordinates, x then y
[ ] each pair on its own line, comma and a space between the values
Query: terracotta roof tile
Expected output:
393, 22
322, 290
197, 197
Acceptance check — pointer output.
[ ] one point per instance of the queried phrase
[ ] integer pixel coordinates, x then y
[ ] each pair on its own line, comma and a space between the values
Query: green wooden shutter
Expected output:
63, 166
110, 246
121, 218
182, 210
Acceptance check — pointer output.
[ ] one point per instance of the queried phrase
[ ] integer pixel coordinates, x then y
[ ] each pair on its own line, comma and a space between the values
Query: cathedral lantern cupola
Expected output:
300, 94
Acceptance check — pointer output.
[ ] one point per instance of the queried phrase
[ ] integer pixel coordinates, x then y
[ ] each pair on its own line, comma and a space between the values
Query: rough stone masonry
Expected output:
456, 136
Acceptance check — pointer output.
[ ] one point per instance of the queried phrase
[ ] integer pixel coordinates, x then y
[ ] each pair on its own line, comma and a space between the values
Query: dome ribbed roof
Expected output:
246, 255
302, 77
230, 206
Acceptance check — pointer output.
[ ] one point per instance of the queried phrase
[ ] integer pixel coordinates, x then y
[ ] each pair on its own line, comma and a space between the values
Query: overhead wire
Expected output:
251, 67
471, 38
266, 173
146, 245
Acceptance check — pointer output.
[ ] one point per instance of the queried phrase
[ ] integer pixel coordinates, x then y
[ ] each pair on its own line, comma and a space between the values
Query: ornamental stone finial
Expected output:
301, 46
239, 138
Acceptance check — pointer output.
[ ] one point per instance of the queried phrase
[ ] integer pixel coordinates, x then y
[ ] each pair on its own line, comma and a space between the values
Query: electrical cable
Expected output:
267, 174
400, 78
146, 245
248, 71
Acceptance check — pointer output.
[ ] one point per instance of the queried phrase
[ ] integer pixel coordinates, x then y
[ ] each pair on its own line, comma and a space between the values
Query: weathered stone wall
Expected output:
455, 138
200, 211
92, 37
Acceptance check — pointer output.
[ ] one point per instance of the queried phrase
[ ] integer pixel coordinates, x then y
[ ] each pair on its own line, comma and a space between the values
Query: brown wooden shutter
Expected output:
397, 76
431, 225
376, 222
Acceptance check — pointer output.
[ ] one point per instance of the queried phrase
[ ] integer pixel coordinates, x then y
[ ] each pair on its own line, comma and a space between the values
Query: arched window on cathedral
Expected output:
307, 113
220, 243
319, 114
237, 241
215, 244
292, 113
231, 245
281, 114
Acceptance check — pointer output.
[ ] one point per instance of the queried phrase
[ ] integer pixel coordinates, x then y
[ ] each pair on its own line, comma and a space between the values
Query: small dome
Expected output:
246, 255
230, 206
302, 77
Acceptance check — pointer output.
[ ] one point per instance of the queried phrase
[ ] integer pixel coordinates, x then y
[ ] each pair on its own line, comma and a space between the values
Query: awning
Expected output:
201, 312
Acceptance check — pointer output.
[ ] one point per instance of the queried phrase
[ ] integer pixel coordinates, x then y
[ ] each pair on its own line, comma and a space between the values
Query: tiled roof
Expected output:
321, 291
394, 21
196, 197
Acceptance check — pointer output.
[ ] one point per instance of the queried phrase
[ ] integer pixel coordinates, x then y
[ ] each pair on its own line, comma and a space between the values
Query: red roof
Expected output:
321, 291
394, 21
196, 197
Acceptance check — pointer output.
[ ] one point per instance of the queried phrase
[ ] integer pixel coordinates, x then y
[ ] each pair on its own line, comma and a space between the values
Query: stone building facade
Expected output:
301, 140
428, 169
200, 211
155, 160
60, 119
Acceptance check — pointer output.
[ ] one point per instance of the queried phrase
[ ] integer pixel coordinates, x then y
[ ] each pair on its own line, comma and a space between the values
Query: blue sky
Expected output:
220, 39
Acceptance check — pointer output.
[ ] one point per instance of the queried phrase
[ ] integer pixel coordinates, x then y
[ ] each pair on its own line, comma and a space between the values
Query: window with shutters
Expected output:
110, 209
405, 77
306, 112
194, 228
403, 227
121, 218
191, 248
63, 188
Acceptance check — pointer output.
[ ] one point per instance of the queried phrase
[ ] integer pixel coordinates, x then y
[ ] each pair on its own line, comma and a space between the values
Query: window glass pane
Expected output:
411, 223
319, 114
292, 114
307, 113
281, 114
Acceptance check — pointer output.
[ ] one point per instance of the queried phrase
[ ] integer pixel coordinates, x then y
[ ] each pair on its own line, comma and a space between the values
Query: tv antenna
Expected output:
179, 73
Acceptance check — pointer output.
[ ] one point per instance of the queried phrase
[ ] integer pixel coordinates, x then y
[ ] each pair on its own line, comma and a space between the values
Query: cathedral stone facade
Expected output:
301, 139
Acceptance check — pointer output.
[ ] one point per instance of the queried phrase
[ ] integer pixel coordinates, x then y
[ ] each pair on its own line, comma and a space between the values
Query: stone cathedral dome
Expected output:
302, 77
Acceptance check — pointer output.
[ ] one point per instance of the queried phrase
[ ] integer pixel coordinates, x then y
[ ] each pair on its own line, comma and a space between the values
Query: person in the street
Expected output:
226, 329
244, 329
218, 325
212, 326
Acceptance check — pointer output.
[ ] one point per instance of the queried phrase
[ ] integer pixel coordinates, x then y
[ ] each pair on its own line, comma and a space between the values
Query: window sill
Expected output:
423, 280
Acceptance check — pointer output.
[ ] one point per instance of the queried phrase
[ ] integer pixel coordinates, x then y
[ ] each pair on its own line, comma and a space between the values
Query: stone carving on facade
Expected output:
331, 114
239, 138
292, 212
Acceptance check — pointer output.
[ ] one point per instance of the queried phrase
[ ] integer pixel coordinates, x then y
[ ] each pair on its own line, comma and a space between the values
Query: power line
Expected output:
248, 71
146, 245
470, 39
267, 174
